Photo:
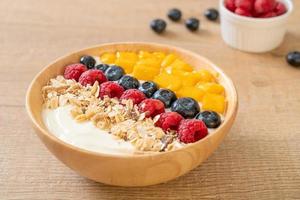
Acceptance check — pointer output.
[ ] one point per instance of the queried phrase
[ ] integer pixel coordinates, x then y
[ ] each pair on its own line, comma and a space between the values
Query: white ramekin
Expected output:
253, 34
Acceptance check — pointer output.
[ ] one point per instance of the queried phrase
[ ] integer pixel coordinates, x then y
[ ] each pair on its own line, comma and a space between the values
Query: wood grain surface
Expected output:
259, 159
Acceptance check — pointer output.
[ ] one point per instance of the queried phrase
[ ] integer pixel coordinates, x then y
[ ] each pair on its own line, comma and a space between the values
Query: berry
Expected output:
151, 107
268, 15
148, 88
166, 96
129, 82
211, 14
191, 130
192, 24
210, 118
264, 6
89, 77
174, 14
158, 25
114, 73
279, 8
102, 67
88, 61
74, 71
230, 5
242, 12
293, 58
134, 94
169, 121
111, 89
246, 5
186, 106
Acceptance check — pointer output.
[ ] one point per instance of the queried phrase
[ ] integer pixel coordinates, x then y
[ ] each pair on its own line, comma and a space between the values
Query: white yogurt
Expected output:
83, 135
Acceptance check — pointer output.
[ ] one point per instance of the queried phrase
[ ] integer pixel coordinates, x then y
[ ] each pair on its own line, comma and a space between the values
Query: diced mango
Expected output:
168, 81
205, 75
145, 54
213, 88
126, 60
193, 92
168, 60
214, 102
149, 62
159, 55
145, 73
180, 65
108, 58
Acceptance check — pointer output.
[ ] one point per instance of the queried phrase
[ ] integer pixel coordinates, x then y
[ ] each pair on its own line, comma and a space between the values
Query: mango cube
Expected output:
126, 60
168, 60
205, 75
143, 72
144, 54
149, 62
180, 65
168, 81
193, 92
108, 58
213, 88
214, 102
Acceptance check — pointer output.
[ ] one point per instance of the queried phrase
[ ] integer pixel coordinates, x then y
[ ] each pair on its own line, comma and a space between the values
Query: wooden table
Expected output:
259, 159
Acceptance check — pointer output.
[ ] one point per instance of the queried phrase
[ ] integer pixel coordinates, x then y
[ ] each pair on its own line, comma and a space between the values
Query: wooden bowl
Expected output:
129, 170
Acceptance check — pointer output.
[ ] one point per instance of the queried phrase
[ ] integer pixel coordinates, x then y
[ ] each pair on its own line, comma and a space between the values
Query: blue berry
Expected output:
192, 24
186, 106
88, 61
129, 82
166, 96
158, 25
148, 88
114, 73
293, 58
211, 14
174, 14
102, 67
210, 118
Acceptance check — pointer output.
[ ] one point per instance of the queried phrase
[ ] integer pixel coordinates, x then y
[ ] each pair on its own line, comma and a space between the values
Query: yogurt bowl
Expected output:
126, 168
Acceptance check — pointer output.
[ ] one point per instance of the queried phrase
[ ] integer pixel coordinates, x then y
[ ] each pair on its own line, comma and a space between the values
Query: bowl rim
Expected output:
288, 3
230, 114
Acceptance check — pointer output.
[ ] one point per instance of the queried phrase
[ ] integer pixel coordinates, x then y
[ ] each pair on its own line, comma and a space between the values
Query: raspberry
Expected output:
151, 107
135, 95
242, 12
74, 71
264, 6
244, 4
191, 130
91, 76
111, 89
169, 121
267, 15
230, 5
279, 8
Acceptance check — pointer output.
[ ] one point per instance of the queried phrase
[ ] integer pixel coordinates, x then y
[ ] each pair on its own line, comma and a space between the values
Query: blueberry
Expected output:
102, 67
129, 82
210, 118
158, 25
192, 24
166, 96
148, 88
114, 73
88, 61
293, 58
211, 14
186, 106
174, 14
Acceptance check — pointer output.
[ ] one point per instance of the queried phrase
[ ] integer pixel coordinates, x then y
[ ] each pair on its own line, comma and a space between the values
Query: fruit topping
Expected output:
167, 97
90, 76
174, 14
169, 121
158, 25
102, 67
134, 94
279, 8
246, 5
187, 107
264, 6
148, 88
74, 71
127, 60
111, 89
230, 5
214, 88
191, 130
151, 107
214, 102
108, 58
210, 118
293, 58
114, 73
192, 24
242, 12
193, 92
88, 61
168, 81
129, 82
211, 14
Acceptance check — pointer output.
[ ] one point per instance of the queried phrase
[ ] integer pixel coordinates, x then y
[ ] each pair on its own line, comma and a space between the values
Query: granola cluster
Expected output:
119, 118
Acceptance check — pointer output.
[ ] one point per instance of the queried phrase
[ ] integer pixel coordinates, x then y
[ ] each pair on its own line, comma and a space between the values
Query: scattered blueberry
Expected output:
192, 24
129, 82
174, 14
148, 88
158, 25
293, 58
186, 106
166, 96
88, 61
210, 118
211, 14
114, 73
102, 67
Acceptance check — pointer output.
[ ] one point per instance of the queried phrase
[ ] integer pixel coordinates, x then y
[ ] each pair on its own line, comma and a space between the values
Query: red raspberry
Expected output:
135, 95
191, 130
230, 5
111, 89
91, 76
151, 107
169, 121
279, 8
245, 4
264, 6
267, 15
74, 71
242, 12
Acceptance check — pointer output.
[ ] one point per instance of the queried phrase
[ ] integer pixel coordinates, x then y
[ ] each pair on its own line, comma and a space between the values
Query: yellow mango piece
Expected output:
168, 60
149, 62
205, 75
126, 60
180, 65
144, 54
159, 55
142, 72
168, 81
214, 102
193, 92
108, 58
213, 88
